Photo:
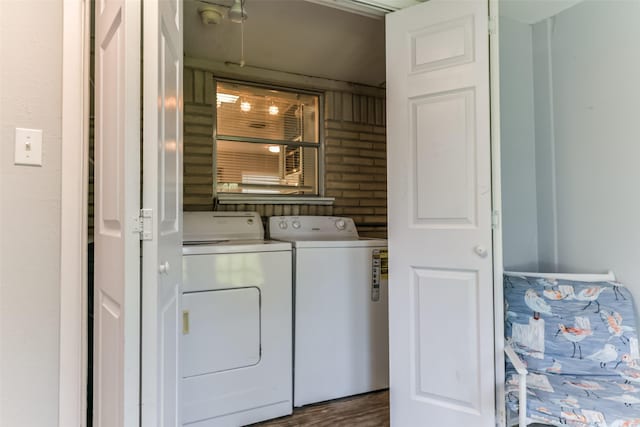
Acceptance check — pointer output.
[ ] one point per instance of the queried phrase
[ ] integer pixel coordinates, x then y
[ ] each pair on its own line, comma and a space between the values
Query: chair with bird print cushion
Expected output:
572, 350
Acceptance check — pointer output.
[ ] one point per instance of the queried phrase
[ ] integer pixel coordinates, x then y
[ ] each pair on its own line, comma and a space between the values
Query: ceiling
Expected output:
533, 11
372, 8
294, 36
335, 39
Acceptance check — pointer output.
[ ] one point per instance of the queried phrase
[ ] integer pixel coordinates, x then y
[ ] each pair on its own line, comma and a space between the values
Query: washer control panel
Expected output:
312, 228
379, 271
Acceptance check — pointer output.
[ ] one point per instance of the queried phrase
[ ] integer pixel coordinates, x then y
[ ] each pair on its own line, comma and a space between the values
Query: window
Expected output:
267, 140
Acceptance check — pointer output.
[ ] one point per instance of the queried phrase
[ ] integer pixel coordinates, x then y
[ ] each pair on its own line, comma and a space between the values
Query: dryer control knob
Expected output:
282, 225
340, 224
296, 224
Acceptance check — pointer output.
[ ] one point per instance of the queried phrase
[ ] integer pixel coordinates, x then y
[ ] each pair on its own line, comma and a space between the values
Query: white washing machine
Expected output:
236, 347
341, 339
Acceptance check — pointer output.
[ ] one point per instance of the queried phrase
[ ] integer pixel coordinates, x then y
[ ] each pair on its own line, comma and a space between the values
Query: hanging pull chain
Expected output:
242, 33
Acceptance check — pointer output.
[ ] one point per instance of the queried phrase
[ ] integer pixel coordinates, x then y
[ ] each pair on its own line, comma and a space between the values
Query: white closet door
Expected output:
440, 237
117, 202
162, 193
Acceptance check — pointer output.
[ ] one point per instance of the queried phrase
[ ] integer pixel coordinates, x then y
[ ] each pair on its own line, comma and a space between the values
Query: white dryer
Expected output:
236, 347
341, 339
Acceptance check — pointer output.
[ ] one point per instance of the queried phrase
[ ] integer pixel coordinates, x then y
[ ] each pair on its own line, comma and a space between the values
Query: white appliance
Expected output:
340, 308
236, 346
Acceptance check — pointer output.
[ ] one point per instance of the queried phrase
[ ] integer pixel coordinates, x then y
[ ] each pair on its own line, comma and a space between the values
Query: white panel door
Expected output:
440, 237
117, 201
162, 193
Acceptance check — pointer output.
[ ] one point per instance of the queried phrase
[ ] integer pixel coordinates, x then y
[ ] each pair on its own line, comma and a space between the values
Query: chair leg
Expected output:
522, 401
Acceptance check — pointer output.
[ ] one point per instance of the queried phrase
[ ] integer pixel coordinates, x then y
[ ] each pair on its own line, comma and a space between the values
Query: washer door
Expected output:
221, 330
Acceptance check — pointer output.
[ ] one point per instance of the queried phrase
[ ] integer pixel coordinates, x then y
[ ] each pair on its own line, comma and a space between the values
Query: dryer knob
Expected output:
340, 224
296, 224
282, 225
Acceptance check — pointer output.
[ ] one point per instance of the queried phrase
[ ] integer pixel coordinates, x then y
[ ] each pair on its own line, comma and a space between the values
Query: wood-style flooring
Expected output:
366, 410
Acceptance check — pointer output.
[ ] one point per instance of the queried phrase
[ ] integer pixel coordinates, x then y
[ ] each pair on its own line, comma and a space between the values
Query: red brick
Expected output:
341, 150
373, 186
373, 202
357, 194
357, 161
372, 137
338, 167
356, 144
375, 219
355, 177
348, 186
374, 153
342, 134
373, 170
358, 127
358, 211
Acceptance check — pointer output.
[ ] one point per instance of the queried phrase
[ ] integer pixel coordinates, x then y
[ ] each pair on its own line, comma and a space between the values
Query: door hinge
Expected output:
144, 224
495, 219
492, 27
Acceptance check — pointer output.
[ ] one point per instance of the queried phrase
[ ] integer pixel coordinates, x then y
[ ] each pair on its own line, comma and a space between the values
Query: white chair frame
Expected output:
522, 385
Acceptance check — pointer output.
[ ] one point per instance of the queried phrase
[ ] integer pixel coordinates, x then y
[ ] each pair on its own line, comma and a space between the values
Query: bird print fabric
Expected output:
580, 345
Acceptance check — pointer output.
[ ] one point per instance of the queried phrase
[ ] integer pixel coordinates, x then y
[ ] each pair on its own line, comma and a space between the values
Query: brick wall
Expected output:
199, 95
355, 157
355, 160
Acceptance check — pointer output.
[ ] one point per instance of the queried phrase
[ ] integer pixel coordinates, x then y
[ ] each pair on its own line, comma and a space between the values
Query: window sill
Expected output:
233, 199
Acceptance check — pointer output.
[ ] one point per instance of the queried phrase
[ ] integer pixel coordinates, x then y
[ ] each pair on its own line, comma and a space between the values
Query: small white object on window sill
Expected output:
232, 199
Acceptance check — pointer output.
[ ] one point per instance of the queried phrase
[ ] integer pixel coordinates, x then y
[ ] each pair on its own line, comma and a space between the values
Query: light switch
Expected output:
28, 147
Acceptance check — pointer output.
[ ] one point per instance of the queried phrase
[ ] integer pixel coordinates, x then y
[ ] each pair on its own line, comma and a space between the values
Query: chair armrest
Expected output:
515, 360
522, 392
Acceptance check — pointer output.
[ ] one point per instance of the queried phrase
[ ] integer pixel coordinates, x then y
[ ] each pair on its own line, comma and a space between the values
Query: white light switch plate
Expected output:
28, 147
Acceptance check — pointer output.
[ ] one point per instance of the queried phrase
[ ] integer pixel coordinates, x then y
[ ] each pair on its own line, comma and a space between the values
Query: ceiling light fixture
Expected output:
273, 110
245, 106
210, 15
274, 148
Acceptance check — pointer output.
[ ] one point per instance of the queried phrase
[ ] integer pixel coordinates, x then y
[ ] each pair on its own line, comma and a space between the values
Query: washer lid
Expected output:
236, 246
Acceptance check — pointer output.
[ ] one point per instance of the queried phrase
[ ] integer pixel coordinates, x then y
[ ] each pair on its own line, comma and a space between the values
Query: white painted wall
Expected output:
586, 107
545, 147
596, 64
30, 96
534, 11
518, 154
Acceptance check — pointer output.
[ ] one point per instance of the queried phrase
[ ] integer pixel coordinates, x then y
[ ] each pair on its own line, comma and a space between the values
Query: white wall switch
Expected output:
28, 147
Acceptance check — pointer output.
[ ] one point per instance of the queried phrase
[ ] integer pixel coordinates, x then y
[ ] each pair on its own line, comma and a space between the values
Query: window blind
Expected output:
266, 140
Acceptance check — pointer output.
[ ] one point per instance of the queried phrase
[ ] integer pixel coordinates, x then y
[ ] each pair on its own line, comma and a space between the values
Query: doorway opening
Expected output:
286, 47
568, 147
298, 45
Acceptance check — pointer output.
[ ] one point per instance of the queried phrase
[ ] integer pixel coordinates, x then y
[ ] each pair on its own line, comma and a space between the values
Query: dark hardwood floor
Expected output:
366, 410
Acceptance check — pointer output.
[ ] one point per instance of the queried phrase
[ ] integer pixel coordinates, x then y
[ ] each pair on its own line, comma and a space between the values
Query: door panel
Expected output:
162, 192
169, 126
434, 377
440, 237
449, 151
117, 248
442, 45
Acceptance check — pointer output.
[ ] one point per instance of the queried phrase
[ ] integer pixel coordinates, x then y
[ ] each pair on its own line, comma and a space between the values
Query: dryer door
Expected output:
221, 330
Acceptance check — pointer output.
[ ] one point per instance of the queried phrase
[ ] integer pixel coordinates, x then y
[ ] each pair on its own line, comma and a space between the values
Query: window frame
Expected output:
320, 146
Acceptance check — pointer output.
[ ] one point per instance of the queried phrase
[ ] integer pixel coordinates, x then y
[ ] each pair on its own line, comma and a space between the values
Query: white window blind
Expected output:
267, 140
